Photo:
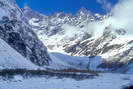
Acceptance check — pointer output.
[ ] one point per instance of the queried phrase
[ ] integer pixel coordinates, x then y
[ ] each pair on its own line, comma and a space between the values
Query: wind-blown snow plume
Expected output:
121, 17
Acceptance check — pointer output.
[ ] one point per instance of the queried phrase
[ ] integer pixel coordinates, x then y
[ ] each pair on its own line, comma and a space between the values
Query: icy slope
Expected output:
11, 59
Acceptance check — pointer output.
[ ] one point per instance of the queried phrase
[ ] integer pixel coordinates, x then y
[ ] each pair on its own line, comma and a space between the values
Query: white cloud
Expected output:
121, 17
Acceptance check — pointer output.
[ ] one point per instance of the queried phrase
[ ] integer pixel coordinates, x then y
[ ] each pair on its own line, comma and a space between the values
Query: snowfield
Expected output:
104, 81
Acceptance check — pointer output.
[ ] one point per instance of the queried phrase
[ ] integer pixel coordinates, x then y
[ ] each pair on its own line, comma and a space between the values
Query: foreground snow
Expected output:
104, 81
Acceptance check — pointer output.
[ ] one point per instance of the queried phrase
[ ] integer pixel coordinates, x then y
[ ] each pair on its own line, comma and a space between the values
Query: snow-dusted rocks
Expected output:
59, 30
114, 46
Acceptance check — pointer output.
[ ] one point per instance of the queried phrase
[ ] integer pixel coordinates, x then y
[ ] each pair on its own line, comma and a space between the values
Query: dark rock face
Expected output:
128, 87
15, 40
23, 39
16, 31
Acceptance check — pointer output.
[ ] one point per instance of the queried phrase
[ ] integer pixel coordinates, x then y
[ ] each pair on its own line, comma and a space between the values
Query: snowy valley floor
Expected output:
103, 81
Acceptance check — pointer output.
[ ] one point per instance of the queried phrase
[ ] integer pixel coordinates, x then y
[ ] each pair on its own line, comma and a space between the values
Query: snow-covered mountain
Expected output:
19, 35
22, 46
81, 44
78, 35
60, 29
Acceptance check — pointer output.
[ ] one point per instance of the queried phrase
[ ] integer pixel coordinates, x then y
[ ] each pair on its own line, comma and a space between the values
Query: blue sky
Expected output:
67, 6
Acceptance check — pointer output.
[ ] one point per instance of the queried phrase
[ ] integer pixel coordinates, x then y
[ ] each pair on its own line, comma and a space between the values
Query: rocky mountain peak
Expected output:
26, 7
83, 11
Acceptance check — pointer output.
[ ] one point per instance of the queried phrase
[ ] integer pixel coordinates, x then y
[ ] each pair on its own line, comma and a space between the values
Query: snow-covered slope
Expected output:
11, 59
63, 61
69, 62
18, 34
